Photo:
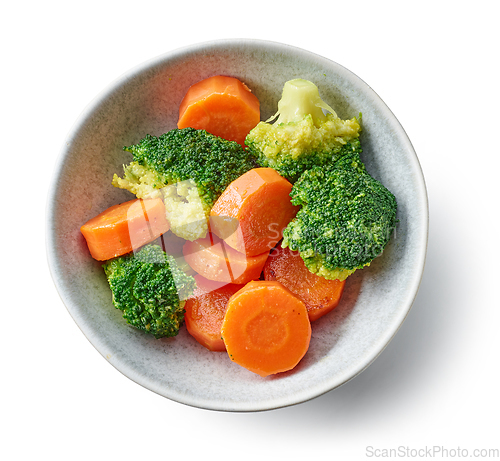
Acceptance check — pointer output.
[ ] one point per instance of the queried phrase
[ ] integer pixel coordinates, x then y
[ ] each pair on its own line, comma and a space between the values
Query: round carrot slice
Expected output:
266, 328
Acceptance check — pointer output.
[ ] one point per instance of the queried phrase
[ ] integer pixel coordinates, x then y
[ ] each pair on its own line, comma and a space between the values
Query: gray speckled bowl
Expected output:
146, 100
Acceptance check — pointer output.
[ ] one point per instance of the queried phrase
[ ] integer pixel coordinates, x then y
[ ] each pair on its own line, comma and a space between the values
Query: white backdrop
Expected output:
433, 392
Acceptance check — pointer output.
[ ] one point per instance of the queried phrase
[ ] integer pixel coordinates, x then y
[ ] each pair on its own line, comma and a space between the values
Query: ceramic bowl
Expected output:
376, 299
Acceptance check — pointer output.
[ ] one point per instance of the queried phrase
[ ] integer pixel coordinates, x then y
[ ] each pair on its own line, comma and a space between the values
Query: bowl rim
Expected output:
328, 385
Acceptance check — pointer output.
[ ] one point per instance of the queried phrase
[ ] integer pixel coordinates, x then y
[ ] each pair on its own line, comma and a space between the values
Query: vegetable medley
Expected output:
243, 230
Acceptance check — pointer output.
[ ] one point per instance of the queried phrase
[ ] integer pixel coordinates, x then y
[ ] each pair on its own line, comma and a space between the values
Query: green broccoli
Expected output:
150, 290
345, 221
302, 136
189, 169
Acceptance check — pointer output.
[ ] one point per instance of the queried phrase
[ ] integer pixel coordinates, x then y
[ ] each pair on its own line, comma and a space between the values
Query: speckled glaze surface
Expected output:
146, 100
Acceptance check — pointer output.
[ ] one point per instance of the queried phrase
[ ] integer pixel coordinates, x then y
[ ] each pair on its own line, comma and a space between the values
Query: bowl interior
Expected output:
146, 100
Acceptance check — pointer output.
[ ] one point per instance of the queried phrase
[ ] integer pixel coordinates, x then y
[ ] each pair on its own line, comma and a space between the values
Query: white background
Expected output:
434, 63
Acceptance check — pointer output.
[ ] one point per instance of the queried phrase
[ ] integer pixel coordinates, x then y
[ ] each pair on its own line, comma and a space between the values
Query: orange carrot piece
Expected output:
125, 227
214, 260
253, 211
266, 328
223, 106
318, 294
205, 311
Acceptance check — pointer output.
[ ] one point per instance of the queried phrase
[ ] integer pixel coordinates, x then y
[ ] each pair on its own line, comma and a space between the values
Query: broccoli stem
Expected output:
299, 98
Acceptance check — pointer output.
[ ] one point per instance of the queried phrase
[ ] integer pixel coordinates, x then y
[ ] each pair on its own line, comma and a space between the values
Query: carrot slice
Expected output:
214, 260
266, 328
318, 294
125, 227
253, 211
223, 106
205, 311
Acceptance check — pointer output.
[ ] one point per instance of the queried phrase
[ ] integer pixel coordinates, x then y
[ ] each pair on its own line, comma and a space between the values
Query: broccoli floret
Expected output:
189, 169
346, 219
302, 136
150, 290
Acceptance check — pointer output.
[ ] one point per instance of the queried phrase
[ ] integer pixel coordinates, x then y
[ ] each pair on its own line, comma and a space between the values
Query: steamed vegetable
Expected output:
150, 290
212, 258
302, 136
125, 227
266, 328
345, 221
205, 311
252, 212
221, 105
318, 294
